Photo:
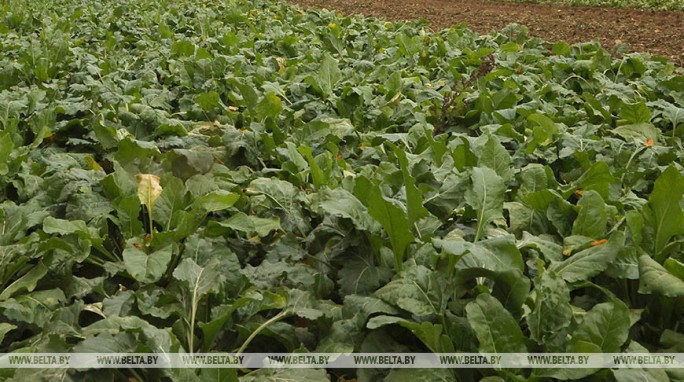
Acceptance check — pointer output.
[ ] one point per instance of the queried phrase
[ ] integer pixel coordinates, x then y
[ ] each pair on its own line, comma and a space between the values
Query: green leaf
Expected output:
199, 281
246, 223
304, 304
6, 147
269, 106
500, 258
328, 75
486, 197
63, 227
493, 155
318, 176
635, 113
495, 328
249, 96
552, 310
640, 375
543, 132
675, 267
417, 290
218, 375
393, 85
27, 282
638, 134
359, 276
286, 375
191, 162
657, 280
217, 200
183, 48
420, 375
512, 289
393, 218
4, 329
340, 202
208, 101
597, 178
588, 263
170, 203
592, 217
414, 197
665, 200
430, 334
606, 326
143, 267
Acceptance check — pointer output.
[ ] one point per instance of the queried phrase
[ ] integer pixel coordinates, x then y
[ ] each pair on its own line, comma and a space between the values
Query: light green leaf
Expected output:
495, 328
656, 279
485, 197
665, 200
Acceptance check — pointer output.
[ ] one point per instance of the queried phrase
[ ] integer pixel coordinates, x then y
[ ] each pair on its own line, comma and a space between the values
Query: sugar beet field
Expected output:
250, 177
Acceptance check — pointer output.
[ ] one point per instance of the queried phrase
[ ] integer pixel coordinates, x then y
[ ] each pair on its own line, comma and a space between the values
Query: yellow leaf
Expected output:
148, 189
93, 164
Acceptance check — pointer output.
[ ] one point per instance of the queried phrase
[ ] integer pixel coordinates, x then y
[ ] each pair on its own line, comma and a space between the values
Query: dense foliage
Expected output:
246, 176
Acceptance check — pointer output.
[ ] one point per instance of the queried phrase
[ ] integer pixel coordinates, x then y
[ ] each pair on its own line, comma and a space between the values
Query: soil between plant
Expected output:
656, 32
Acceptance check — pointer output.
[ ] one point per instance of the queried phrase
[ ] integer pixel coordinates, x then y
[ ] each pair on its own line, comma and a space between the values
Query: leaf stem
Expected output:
193, 314
261, 327
149, 214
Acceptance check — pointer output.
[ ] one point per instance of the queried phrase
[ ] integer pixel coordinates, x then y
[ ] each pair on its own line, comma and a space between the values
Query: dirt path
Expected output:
657, 32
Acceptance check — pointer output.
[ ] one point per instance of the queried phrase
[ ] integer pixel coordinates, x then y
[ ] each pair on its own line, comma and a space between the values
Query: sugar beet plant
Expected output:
246, 176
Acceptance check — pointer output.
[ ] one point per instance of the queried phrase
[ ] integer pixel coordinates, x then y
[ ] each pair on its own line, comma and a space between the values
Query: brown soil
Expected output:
656, 32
